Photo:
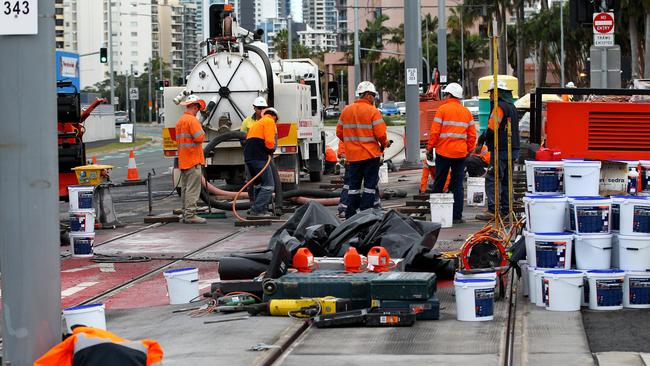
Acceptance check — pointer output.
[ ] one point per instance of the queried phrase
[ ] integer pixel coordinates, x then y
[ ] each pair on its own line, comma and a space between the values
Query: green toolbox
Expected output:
403, 285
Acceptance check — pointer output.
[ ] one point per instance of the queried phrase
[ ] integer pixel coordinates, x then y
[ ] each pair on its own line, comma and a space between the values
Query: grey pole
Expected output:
426, 25
110, 53
341, 88
357, 56
160, 70
133, 103
462, 50
289, 37
127, 109
29, 244
562, 43
442, 42
149, 91
412, 59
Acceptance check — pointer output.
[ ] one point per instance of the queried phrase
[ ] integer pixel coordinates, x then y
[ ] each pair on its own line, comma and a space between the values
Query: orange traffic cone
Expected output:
132, 172
94, 159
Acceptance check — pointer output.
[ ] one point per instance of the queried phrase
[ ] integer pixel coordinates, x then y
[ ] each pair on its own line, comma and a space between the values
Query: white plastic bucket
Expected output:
532, 285
81, 244
82, 221
92, 315
616, 252
524, 276
636, 290
589, 215
81, 198
545, 214
581, 178
544, 177
553, 250
488, 275
541, 288
383, 174
529, 239
442, 208
476, 191
635, 216
634, 252
182, 285
606, 289
474, 299
564, 290
593, 251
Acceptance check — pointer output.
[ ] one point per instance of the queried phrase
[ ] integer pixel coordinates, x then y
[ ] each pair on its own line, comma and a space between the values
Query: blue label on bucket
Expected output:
616, 216
641, 223
78, 222
484, 302
590, 219
609, 292
82, 246
639, 290
550, 254
85, 200
548, 179
585, 285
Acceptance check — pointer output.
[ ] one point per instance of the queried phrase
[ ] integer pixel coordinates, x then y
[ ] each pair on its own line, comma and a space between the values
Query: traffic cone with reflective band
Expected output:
132, 172
352, 260
94, 159
303, 261
379, 260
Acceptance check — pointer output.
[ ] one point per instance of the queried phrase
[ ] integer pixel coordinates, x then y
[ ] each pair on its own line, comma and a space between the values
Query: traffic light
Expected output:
161, 85
103, 55
166, 83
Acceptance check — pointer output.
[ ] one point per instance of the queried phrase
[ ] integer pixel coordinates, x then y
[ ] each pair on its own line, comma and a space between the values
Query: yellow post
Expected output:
495, 126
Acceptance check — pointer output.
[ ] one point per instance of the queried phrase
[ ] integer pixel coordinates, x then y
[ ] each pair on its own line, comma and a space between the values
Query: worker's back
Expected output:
362, 129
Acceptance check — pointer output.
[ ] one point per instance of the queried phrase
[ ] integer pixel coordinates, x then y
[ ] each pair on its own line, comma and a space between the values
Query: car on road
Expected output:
388, 108
472, 105
332, 112
401, 106
121, 117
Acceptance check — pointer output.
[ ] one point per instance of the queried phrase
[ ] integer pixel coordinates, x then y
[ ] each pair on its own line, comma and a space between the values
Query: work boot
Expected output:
178, 211
459, 221
255, 215
486, 216
195, 220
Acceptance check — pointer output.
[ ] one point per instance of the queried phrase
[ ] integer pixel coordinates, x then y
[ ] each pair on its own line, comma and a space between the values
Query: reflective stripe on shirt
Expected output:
358, 138
455, 135
362, 126
455, 123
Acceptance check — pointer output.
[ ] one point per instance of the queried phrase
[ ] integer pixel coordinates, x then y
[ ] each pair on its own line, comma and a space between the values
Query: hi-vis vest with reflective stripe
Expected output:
362, 130
453, 131
189, 136
97, 347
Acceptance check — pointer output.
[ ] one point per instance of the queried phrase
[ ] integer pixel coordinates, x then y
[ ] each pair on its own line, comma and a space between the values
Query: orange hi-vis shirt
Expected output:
362, 130
484, 154
330, 155
261, 139
341, 151
453, 131
98, 347
189, 136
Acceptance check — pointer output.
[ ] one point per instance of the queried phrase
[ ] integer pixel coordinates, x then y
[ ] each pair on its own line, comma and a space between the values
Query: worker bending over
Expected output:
189, 137
453, 135
363, 132
258, 106
506, 114
330, 160
261, 142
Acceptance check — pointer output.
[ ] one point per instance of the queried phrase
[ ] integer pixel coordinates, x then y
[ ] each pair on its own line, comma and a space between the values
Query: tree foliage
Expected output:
280, 44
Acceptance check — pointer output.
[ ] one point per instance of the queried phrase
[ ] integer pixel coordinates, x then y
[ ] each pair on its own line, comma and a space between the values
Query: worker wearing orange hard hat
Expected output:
453, 135
363, 132
190, 137
93, 346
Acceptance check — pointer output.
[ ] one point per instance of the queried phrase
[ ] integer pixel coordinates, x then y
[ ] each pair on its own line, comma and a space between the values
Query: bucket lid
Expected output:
544, 162
588, 198
538, 196
84, 307
474, 280
594, 236
555, 234
606, 271
178, 270
637, 273
564, 272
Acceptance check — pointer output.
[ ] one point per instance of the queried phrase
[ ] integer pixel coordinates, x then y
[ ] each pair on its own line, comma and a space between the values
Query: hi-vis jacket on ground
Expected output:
453, 132
97, 347
362, 130
261, 139
189, 136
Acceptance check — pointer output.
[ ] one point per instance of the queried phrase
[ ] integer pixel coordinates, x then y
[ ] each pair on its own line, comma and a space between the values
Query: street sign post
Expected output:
603, 29
412, 76
133, 93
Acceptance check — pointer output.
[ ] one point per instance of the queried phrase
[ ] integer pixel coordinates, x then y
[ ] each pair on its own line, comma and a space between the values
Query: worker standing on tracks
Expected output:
453, 135
363, 131
330, 160
189, 137
506, 114
258, 106
261, 142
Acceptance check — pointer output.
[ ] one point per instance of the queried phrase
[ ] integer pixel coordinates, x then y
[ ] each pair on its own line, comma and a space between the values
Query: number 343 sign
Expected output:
18, 17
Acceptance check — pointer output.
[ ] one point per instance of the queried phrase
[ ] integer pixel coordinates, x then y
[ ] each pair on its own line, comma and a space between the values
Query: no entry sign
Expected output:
603, 23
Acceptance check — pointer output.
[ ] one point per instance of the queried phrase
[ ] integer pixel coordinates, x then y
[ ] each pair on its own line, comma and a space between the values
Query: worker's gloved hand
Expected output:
430, 155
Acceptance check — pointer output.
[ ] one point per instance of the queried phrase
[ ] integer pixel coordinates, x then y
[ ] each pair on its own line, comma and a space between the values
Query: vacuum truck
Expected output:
236, 70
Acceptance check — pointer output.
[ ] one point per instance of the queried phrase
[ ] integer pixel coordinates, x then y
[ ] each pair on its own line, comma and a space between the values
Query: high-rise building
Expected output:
318, 39
59, 30
320, 14
246, 14
70, 40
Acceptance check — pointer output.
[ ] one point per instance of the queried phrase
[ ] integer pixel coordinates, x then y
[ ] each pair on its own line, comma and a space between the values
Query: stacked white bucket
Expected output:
612, 270
82, 220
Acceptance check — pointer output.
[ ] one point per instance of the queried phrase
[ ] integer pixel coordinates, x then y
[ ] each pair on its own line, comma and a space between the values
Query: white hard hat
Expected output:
193, 99
366, 86
500, 85
271, 110
570, 84
454, 89
260, 102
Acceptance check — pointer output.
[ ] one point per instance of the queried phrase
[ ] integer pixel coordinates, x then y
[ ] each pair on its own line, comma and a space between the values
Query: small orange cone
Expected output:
132, 172
94, 159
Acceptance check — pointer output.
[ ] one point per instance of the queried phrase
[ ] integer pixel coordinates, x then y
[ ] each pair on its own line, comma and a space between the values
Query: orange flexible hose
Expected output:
234, 201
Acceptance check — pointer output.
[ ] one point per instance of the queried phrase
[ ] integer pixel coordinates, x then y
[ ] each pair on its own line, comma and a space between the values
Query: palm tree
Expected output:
372, 37
646, 66
397, 36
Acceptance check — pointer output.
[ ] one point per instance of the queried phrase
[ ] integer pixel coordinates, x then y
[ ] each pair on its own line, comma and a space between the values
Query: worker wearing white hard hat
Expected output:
258, 106
568, 97
453, 136
506, 114
363, 132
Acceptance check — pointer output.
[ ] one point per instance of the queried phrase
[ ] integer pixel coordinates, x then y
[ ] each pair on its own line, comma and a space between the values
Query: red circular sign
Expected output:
603, 23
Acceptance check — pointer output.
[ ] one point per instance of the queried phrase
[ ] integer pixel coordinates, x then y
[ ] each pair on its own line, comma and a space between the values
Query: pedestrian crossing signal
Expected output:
103, 55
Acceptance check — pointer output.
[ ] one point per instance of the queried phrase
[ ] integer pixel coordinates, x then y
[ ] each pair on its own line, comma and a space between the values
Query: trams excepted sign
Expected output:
603, 29
18, 17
